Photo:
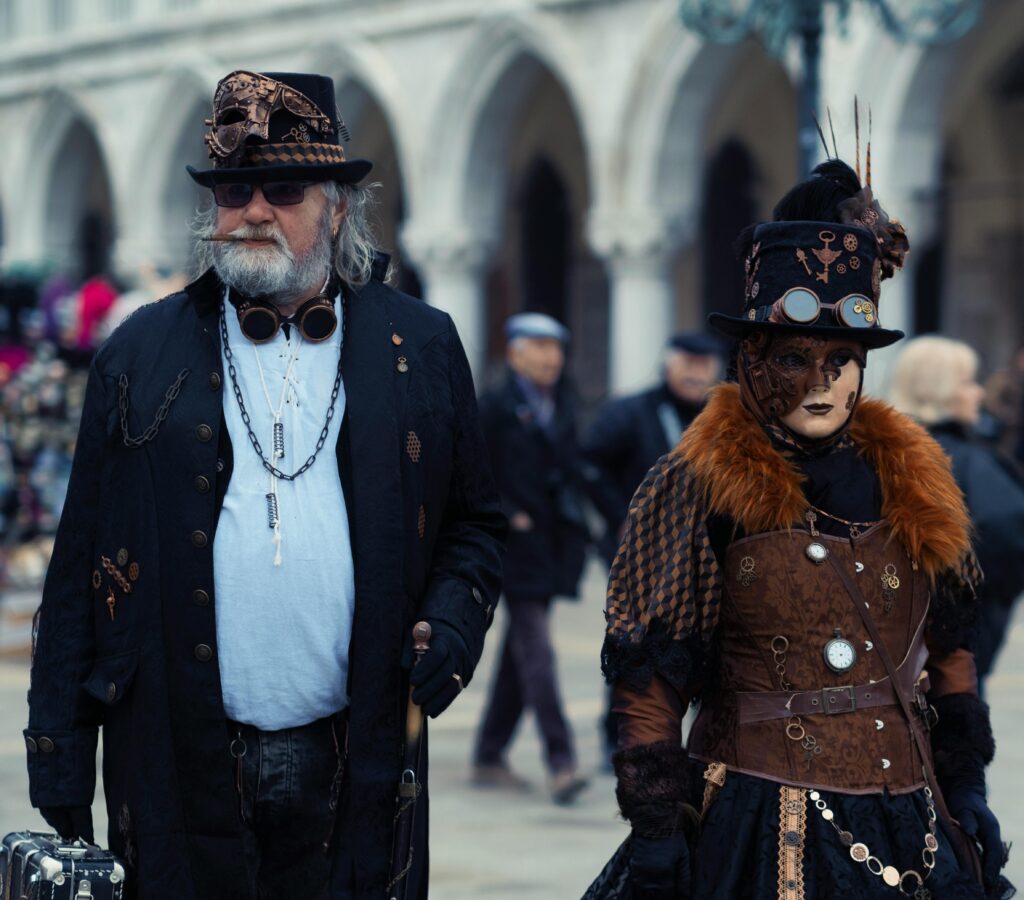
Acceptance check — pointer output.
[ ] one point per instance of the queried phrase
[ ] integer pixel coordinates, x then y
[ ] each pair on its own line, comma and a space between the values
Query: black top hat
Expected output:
277, 126
836, 264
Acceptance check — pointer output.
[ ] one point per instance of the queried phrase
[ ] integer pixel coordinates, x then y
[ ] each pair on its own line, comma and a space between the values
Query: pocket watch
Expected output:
840, 654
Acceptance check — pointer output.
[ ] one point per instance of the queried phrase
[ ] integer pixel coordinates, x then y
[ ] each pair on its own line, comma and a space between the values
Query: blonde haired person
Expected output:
935, 381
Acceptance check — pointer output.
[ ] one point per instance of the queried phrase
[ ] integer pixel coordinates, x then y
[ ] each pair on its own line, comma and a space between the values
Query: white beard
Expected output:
273, 272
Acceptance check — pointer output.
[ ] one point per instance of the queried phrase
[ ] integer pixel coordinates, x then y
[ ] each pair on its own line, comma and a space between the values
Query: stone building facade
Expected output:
589, 158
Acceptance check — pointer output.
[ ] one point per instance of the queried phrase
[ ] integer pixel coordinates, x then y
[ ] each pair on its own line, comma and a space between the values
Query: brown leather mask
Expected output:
779, 370
243, 105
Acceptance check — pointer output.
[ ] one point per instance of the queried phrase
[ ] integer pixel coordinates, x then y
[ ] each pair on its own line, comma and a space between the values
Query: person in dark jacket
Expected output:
279, 471
632, 433
529, 427
934, 380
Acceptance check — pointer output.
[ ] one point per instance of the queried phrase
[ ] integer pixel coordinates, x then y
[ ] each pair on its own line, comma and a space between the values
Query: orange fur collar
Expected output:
741, 474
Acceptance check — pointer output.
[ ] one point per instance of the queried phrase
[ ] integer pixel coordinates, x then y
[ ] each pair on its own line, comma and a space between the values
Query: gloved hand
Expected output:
433, 677
70, 822
967, 804
659, 867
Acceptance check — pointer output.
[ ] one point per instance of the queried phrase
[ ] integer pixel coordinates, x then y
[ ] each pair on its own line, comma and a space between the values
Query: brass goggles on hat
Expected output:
801, 306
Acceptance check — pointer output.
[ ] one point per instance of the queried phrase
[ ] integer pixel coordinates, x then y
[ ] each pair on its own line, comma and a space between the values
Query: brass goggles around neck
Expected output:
260, 320
801, 306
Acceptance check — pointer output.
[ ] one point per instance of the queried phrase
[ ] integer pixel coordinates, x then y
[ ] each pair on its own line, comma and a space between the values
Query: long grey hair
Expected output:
354, 249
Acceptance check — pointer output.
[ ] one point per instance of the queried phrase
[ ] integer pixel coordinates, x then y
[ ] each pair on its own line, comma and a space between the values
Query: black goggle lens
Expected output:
800, 305
319, 323
236, 194
856, 311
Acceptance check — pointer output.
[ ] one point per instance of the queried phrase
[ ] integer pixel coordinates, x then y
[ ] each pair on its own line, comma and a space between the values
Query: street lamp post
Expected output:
777, 22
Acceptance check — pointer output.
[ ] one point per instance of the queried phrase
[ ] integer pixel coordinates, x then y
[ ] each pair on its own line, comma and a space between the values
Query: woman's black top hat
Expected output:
277, 126
820, 278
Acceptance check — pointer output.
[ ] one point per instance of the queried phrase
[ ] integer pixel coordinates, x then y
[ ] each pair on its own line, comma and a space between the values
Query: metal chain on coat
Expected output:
269, 466
161, 413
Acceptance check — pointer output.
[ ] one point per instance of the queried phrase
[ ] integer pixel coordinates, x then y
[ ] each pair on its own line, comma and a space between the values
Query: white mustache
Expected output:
257, 233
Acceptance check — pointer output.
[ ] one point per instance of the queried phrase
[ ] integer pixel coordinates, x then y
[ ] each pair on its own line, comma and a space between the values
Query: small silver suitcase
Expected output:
35, 865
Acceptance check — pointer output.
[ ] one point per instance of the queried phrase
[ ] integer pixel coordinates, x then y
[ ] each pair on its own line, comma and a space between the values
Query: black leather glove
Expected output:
967, 804
433, 677
659, 867
70, 822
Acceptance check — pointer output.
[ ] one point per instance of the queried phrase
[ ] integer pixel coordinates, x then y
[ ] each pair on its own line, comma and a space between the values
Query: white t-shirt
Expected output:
283, 631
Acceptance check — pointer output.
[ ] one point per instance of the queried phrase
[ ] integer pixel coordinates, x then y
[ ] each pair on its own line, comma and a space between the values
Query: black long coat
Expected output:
426, 530
628, 436
537, 473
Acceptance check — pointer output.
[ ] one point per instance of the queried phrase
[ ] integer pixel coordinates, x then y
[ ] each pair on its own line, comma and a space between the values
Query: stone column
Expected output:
453, 275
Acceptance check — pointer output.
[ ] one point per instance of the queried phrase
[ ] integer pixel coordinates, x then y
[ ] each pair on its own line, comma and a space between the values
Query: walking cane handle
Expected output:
421, 638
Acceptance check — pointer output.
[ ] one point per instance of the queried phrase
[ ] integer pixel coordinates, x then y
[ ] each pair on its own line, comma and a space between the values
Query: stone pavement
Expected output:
489, 844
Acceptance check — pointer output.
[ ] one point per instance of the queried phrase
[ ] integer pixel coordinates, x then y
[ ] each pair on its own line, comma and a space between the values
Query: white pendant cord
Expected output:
277, 443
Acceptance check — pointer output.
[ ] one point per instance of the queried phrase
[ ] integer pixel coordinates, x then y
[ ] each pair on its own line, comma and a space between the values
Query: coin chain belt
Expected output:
910, 882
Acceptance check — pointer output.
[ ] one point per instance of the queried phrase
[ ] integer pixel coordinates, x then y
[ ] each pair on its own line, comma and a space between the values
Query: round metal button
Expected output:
122, 557
204, 433
202, 484
111, 692
200, 597
220, 465
45, 745
816, 553
879, 724
203, 652
198, 538
886, 764
30, 745
215, 381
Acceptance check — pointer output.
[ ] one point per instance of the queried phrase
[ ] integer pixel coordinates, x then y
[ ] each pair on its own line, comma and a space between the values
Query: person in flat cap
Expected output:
793, 565
529, 427
280, 471
630, 434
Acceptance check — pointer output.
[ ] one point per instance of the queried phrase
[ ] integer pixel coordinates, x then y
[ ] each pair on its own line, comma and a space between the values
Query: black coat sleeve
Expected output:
606, 453
464, 579
63, 719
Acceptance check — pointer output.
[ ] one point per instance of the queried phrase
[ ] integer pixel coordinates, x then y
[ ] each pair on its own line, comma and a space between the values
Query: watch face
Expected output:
840, 655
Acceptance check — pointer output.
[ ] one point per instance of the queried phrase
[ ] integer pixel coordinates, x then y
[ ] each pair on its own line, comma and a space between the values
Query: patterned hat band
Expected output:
292, 153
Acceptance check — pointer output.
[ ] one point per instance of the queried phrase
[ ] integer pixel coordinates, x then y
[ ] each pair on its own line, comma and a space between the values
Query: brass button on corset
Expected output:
202, 484
215, 381
198, 538
45, 745
204, 433
203, 652
200, 597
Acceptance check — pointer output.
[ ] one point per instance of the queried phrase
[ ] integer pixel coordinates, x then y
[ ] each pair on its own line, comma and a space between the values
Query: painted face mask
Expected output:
781, 370
242, 108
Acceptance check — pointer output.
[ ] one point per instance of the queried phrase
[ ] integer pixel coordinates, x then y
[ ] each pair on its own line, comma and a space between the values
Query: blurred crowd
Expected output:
50, 326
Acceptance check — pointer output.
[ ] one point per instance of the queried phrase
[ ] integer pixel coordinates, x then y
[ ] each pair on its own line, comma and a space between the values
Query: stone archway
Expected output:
527, 186
373, 139
79, 225
962, 154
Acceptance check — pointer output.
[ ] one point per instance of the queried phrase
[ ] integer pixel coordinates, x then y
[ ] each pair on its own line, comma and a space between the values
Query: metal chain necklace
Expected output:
267, 464
812, 516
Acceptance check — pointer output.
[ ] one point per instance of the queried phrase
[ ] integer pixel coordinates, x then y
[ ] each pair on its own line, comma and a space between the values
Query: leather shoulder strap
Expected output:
961, 843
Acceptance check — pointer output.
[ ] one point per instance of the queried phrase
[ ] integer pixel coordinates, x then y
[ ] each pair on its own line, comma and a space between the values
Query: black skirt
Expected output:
737, 855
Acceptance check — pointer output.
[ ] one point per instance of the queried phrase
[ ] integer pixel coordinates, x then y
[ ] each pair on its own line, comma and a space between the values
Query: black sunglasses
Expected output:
235, 194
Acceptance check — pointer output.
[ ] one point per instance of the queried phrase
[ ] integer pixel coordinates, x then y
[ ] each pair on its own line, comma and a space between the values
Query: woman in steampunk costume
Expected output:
801, 564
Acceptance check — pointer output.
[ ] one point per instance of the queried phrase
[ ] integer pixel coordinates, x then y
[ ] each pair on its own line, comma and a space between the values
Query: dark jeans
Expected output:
288, 784
526, 679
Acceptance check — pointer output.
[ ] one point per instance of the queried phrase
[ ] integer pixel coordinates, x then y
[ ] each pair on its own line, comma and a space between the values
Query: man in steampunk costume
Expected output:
801, 563
279, 471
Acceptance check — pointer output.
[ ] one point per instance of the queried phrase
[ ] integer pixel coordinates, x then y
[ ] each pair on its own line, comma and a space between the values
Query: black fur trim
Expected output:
651, 775
962, 740
953, 619
685, 664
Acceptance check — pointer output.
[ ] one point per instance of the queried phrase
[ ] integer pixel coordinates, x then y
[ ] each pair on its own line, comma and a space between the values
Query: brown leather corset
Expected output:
773, 589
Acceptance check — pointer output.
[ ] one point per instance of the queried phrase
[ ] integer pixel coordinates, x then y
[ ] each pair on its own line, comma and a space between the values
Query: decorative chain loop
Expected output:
161, 413
269, 466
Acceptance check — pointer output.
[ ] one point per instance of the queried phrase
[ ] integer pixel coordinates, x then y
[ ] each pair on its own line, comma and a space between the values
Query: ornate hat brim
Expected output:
350, 172
872, 338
